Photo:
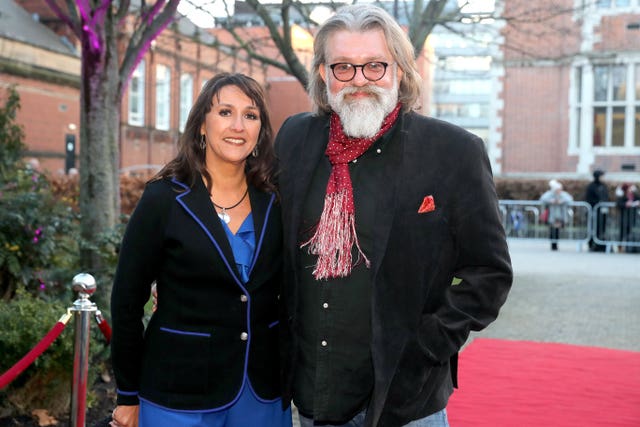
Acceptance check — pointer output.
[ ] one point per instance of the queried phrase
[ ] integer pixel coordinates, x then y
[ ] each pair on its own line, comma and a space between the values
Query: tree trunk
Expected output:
99, 165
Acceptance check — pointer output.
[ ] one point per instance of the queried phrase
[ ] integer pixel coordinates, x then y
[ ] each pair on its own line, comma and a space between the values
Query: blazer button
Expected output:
243, 298
244, 336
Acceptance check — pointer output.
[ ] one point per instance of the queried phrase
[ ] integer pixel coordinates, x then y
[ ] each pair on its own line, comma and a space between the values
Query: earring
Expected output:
254, 153
203, 142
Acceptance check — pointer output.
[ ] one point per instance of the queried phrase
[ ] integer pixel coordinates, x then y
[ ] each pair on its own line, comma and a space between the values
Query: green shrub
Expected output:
38, 237
45, 384
39, 255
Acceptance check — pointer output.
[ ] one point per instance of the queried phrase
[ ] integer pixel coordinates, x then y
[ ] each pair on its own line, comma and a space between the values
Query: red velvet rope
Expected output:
36, 351
104, 326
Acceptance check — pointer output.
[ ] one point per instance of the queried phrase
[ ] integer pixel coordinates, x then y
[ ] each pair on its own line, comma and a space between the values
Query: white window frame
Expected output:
583, 105
163, 97
186, 99
136, 116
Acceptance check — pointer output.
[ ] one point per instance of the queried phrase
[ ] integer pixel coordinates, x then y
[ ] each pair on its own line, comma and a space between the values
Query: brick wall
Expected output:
613, 33
535, 125
48, 112
543, 41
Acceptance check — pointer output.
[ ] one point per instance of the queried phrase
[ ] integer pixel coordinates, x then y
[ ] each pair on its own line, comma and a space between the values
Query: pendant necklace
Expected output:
223, 215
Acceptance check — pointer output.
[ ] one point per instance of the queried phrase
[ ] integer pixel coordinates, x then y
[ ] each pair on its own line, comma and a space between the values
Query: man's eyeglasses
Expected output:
372, 71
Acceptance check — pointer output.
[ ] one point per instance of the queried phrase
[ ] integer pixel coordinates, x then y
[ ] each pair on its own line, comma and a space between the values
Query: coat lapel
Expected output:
309, 152
198, 205
261, 204
385, 199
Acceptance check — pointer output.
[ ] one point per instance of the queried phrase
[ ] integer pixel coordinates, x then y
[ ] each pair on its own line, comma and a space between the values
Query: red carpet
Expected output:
520, 383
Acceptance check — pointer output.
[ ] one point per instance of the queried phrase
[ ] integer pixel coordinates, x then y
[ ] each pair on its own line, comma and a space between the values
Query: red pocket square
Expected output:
427, 205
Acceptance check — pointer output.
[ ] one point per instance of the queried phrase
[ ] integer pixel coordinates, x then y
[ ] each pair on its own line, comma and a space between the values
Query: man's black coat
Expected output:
435, 276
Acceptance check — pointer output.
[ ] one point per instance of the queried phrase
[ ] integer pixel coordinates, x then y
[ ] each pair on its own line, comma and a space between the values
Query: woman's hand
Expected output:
125, 416
154, 294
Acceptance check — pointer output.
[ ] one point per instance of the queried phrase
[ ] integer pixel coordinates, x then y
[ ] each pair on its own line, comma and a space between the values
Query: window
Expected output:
466, 63
136, 96
636, 110
186, 99
462, 87
463, 110
612, 4
614, 109
163, 97
610, 102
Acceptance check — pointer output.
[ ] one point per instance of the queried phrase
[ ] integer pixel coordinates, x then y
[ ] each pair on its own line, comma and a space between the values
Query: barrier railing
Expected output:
82, 308
604, 224
615, 228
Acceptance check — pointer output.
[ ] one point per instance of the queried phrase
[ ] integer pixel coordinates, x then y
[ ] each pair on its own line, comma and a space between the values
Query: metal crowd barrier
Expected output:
616, 229
521, 220
604, 224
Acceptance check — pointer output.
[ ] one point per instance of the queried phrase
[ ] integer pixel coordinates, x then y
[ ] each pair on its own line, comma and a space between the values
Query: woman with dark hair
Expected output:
207, 231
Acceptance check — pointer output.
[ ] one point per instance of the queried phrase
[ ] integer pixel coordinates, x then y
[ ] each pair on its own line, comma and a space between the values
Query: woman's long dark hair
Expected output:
189, 164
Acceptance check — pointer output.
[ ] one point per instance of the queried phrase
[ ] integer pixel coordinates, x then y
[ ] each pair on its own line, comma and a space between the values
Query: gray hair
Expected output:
358, 18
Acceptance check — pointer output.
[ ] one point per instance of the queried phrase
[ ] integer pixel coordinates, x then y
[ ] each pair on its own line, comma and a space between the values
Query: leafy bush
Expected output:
46, 383
39, 255
26, 319
39, 236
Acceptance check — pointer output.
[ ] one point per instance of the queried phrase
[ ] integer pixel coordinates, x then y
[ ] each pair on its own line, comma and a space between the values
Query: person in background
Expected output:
595, 193
627, 203
207, 230
394, 245
557, 201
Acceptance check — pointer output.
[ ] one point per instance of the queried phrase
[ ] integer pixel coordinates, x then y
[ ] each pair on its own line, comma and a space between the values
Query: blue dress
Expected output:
247, 409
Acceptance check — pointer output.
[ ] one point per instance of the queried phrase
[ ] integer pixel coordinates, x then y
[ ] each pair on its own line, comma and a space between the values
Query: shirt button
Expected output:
355, 161
378, 151
325, 305
243, 298
244, 336
323, 343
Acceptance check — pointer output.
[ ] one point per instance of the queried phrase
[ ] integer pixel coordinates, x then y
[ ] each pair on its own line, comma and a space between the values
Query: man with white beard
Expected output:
394, 248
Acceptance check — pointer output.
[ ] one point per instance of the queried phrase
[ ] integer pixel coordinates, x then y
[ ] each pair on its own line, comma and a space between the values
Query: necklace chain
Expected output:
223, 211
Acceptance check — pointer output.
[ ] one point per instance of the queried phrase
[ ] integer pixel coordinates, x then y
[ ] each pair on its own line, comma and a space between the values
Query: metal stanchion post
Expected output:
83, 309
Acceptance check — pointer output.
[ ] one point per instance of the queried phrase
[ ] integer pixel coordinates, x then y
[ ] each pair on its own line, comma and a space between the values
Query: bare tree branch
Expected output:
153, 23
71, 19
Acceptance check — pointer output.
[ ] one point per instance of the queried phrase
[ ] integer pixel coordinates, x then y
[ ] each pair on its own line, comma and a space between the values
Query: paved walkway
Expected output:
583, 298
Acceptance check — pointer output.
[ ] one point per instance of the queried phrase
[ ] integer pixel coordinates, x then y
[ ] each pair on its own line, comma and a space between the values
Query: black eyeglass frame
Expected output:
355, 70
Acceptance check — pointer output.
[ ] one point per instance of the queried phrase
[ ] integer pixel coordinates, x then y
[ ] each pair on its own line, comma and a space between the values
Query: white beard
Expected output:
362, 118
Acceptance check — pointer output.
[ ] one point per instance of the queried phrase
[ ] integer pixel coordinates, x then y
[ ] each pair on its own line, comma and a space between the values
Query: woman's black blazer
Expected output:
210, 331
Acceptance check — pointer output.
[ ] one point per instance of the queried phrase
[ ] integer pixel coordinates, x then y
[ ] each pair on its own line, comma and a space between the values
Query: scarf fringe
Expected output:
333, 239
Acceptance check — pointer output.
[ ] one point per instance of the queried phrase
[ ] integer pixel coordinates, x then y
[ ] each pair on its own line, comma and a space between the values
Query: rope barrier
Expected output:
36, 351
104, 326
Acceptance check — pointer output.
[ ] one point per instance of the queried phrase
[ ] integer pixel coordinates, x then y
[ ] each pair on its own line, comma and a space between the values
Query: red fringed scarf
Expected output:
336, 231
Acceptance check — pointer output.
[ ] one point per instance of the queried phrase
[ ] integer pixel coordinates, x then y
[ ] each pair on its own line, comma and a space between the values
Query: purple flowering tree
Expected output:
98, 25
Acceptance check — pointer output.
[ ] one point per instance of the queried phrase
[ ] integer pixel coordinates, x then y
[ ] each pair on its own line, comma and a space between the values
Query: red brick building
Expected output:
46, 73
566, 96
571, 88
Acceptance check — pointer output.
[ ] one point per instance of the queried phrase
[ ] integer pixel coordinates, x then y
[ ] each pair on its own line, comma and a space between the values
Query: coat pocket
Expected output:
180, 362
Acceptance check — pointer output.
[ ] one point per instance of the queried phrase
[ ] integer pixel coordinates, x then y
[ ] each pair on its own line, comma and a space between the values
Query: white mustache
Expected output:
371, 90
